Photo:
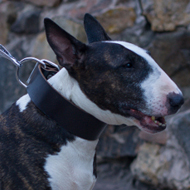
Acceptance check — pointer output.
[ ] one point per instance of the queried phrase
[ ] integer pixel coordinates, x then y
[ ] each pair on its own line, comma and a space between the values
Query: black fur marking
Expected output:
106, 79
25, 141
94, 30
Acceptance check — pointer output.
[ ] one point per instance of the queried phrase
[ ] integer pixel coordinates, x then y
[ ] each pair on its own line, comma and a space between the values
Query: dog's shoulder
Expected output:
27, 137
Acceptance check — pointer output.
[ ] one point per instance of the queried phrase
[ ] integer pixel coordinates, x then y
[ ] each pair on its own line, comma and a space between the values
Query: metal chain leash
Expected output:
6, 54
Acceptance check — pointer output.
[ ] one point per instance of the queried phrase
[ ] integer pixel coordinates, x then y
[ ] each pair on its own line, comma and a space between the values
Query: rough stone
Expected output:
180, 125
4, 28
27, 21
119, 142
48, 3
41, 48
8, 15
94, 7
166, 15
115, 174
145, 165
159, 138
118, 19
139, 34
163, 166
69, 1
172, 53
74, 28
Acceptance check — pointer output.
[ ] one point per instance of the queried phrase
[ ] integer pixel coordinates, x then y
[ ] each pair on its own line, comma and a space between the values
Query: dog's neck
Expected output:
64, 84
70, 89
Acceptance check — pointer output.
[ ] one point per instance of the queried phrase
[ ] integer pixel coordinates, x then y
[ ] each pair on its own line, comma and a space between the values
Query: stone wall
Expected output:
163, 27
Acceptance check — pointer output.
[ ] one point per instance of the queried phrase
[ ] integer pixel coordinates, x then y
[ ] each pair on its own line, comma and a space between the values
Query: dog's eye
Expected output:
127, 65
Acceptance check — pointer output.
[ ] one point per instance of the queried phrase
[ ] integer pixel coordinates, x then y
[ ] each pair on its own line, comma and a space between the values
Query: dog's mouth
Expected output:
150, 124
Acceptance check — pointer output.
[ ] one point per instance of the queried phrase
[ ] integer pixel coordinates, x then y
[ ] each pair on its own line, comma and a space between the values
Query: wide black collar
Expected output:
55, 106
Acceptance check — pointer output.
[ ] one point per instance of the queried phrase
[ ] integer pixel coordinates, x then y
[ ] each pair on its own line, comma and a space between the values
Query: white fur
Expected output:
72, 167
70, 89
157, 86
23, 102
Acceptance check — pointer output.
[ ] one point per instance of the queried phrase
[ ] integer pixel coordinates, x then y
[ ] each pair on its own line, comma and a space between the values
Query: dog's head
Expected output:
119, 82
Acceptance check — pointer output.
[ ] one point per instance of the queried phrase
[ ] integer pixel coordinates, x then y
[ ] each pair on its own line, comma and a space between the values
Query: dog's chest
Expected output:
72, 167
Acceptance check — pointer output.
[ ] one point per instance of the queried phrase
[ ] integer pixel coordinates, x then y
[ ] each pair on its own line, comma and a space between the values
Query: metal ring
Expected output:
33, 59
50, 63
18, 79
21, 63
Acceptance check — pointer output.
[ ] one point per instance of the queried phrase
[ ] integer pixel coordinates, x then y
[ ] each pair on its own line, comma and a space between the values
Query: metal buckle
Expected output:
6, 54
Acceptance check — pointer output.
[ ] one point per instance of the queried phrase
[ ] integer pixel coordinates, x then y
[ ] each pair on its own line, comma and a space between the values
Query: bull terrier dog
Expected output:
106, 82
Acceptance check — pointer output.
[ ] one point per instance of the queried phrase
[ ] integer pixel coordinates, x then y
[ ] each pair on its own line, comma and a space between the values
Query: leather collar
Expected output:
56, 107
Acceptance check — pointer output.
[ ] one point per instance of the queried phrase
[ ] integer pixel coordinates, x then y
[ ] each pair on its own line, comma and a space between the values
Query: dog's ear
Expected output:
94, 30
67, 48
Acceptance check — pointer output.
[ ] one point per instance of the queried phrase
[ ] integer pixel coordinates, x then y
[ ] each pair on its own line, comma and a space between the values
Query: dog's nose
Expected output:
175, 102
